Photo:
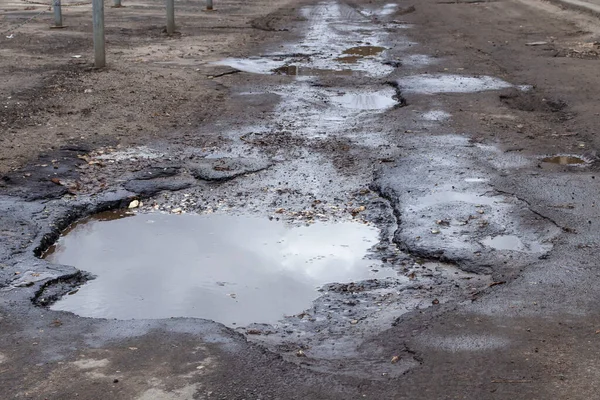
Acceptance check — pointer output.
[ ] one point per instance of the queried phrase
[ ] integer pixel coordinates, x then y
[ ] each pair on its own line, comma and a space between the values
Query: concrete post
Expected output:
170, 16
57, 13
209, 5
98, 22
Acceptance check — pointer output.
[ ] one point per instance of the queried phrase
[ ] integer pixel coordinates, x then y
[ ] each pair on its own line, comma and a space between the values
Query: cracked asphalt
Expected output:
438, 141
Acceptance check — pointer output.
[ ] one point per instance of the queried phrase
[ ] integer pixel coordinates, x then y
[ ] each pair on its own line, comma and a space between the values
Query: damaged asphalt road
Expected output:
381, 114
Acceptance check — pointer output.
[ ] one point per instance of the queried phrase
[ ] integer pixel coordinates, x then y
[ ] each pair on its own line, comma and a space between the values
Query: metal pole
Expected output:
57, 13
170, 16
98, 22
209, 5
117, 4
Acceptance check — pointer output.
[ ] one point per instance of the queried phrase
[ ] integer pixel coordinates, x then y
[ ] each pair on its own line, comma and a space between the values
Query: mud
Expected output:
564, 160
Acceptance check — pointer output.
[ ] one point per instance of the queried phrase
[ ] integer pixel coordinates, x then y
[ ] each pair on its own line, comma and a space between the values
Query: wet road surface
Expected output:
479, 277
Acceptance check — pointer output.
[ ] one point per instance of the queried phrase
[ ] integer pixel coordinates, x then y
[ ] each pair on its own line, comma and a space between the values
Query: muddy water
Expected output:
329, 42
235, 270
295, 70
364, 51
354, 54
564, 160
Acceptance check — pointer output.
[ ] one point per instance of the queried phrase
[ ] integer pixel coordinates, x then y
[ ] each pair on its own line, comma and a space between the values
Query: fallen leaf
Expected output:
56, 181
395, 359
357, 210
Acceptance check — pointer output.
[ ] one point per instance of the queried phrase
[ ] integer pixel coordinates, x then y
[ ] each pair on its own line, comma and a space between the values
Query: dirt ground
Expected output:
473, 322
154, 86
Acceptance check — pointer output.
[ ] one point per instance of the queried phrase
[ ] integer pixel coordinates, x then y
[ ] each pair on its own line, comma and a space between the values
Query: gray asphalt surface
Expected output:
438, 142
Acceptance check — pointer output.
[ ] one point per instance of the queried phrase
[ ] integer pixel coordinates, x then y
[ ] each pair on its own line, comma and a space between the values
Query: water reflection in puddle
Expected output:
564, 160
235, 270
513, 243
252, 65
387, 9
448, 83
295, 70
380, 100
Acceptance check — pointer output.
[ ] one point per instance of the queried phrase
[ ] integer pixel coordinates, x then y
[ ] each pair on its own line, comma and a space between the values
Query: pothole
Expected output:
232, 269
364, 51
379, 100
513, 243
296, 70
387, 9
448, 83
354, 54
565, 160
450, 196
258, 65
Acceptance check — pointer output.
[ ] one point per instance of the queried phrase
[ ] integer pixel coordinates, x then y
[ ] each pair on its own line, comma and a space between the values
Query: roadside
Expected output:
52, 96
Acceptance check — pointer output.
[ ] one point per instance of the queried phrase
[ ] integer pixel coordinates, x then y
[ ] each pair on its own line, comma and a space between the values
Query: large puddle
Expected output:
231, 269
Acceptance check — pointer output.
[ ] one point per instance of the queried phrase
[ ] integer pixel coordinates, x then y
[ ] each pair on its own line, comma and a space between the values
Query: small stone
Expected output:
134, 204
300, 353
354, 322
177, 210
